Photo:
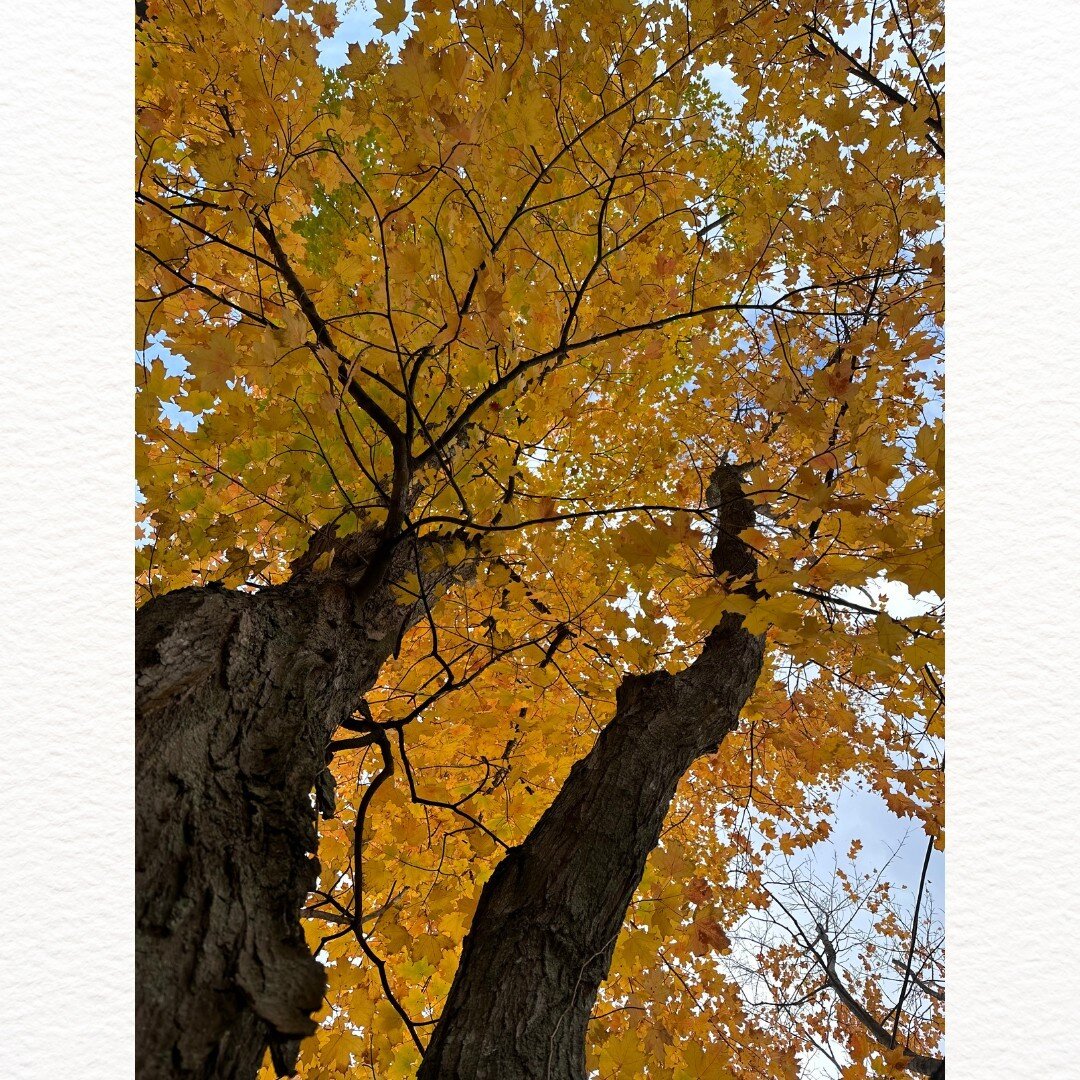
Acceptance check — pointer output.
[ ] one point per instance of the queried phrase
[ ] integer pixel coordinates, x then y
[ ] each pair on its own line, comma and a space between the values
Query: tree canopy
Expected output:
512, 297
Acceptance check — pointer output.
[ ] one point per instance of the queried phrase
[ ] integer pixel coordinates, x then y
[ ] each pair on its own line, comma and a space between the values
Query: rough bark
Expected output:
545, 927
237, 697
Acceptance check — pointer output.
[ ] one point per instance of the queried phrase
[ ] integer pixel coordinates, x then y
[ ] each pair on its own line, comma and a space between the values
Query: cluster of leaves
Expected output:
524, 284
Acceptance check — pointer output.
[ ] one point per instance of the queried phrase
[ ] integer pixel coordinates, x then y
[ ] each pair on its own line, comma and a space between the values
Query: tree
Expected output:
512, 402
831, 951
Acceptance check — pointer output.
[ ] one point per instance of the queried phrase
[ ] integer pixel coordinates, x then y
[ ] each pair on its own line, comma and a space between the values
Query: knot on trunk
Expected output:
347, 553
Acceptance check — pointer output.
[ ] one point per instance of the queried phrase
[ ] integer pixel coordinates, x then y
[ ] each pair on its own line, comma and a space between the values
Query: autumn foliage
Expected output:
519, 285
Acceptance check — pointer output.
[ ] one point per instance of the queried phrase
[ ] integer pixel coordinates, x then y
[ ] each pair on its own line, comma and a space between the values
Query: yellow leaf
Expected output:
456, 553
391, 15
407, 590
707, 935
641, 545
891, 635
708, 608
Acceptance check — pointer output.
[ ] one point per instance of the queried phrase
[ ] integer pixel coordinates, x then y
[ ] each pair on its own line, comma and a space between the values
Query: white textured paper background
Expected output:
1013, 486
66, 638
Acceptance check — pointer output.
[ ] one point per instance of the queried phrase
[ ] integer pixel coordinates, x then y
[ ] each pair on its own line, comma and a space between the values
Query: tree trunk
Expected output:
544, 931
237, 696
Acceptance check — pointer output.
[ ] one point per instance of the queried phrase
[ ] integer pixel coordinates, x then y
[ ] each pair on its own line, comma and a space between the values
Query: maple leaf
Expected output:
706, 935
391, 15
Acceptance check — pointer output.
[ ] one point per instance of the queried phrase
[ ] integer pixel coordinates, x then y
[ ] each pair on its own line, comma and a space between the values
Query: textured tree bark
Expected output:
237, 697
544, 931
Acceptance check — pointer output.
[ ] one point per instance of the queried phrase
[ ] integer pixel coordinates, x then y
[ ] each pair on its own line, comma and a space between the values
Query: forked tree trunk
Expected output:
544, 931
237, 697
